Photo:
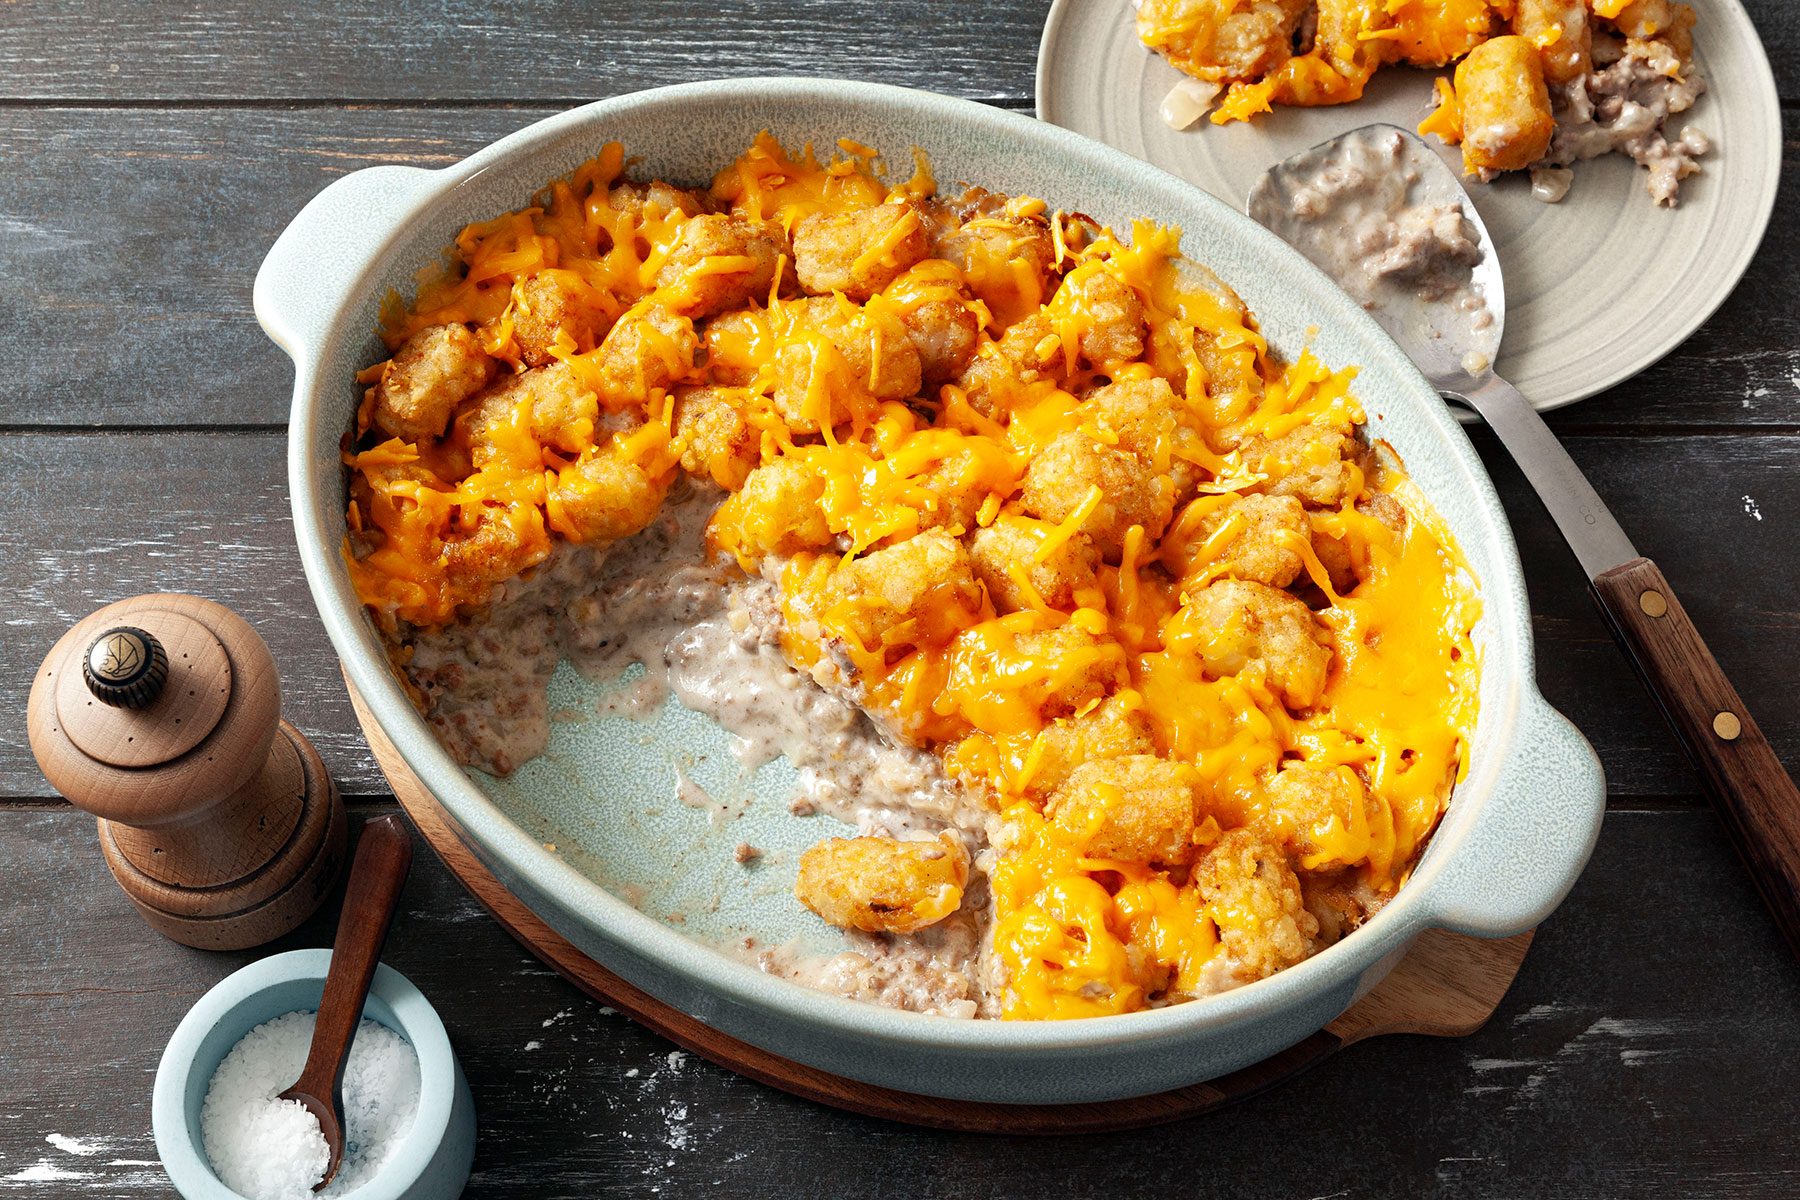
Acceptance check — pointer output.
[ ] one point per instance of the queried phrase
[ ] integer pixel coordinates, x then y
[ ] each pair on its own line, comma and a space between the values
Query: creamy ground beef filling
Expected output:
710, 637
1624, 105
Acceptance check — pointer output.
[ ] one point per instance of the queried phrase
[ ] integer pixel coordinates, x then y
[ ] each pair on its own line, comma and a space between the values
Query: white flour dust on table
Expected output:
709, 636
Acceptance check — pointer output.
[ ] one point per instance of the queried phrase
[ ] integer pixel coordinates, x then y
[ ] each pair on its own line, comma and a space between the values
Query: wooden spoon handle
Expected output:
1752, 792
383, 858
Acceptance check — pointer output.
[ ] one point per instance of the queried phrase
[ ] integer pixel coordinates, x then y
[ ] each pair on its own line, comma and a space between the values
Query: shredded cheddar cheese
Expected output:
1035, 493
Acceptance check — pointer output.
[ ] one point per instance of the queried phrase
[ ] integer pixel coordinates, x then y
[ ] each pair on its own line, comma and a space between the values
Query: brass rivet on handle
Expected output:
1727, 726
1653, 604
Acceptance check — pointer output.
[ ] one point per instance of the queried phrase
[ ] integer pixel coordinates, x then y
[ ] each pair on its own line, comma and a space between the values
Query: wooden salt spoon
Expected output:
383, 858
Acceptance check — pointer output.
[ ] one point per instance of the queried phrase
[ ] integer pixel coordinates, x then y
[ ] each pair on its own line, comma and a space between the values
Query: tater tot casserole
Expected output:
1139, 669
1538, 85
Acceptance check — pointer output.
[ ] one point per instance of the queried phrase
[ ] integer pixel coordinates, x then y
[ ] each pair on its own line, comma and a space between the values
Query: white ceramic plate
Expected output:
1598, 287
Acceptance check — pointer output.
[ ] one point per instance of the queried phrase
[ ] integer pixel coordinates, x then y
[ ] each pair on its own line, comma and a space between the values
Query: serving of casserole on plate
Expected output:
803, 573
1565, 98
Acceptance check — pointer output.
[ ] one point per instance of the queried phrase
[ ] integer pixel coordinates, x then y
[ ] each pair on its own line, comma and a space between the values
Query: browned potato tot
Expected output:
949, 494
1222, 43
648, 201
856, 355
1058, 481
738, 345
721, 261
604, 497
1238, 623
1348, 569
919, 592
546, 406
1140, 808
1312, 463
650, 347
1108, 310
1114, 728
883, 884
1254, 898
858, 253
1266, 545
435, 370
506, 542
1506, 118
1560, 31
776, 512
1141, 413
1007, 550
933, 305
1085, 667
553, 302
998, 372
1007, 261
720, 441
1308, 802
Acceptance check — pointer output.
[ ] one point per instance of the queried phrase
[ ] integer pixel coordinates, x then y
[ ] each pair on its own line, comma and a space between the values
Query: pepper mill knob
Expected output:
125, 667
161, 715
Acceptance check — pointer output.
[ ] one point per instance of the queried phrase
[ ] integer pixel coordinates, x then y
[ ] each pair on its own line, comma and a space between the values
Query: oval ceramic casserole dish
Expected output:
1520, 826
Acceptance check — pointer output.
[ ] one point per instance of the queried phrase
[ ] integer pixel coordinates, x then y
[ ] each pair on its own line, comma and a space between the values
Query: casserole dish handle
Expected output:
1531, 839
304, 277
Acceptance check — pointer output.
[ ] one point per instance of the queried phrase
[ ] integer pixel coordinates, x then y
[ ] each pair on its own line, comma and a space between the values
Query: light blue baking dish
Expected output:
642, 882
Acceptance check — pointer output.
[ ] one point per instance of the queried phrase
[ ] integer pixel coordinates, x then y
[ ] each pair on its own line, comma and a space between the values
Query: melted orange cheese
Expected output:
1077, 934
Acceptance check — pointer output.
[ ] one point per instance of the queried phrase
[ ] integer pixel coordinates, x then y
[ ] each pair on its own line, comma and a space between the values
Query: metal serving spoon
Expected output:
383, 858
1455, 348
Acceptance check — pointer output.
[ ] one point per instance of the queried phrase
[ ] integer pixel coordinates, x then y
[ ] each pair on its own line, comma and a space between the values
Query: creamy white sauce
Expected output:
1398, 242
1624, 105
711, 638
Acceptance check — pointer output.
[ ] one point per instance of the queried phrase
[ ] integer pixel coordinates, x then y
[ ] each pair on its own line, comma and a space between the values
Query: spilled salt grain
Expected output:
268, 1149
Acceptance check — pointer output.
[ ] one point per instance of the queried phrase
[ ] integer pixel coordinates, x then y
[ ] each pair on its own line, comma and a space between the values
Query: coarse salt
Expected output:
268, 1149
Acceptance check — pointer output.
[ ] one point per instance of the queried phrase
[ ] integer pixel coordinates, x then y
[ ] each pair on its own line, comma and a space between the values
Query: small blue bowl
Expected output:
433, 1158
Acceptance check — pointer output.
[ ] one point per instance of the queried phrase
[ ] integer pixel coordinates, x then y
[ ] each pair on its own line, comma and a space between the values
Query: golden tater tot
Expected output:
650, 347
553, 303
1114, 728
1059, 481
433, 372
920, 591
1221, 43
858, 253
883, 884
1261, 539
1560, 31
1006, 557
1236, 623
546, 406
1254, 898
776, 512
720, 443
1506, 118
1137, 809
721, 261
604, 497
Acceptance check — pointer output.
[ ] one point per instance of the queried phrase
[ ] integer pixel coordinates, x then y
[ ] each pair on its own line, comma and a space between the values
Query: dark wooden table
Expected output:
150, 152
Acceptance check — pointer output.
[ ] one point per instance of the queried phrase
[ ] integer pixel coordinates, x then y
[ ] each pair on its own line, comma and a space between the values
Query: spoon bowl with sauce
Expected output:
1387, 219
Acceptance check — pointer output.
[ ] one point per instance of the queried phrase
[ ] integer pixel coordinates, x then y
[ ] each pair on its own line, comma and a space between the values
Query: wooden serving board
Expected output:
1448, 985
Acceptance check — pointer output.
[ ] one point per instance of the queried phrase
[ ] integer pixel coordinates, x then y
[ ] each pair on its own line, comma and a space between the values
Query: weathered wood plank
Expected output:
101, 516
1658, 997
130, 249
463, 49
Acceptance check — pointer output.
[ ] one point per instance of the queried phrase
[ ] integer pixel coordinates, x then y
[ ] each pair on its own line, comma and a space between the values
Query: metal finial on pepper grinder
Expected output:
125, 667
161, 715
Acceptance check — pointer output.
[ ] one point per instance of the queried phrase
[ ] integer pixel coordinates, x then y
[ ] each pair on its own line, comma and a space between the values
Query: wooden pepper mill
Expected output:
161, 715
